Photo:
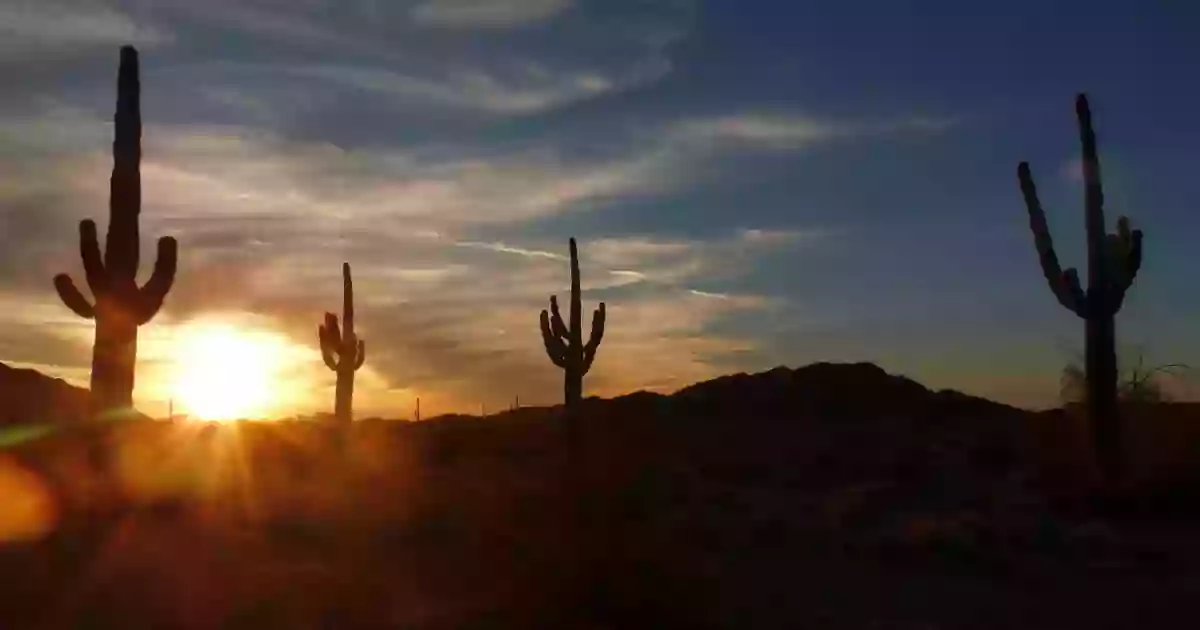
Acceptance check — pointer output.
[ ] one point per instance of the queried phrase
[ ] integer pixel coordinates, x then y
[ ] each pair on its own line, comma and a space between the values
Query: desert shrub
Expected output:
1161, 439
1137, 384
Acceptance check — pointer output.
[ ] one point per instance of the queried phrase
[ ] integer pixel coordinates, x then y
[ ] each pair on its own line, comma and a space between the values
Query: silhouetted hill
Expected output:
814, 430
833, 390
30, 397
822, 425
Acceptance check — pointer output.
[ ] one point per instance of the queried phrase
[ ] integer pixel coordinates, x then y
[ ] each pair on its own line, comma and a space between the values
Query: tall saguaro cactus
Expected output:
1113, 263
343, 352
120, 305
565, 345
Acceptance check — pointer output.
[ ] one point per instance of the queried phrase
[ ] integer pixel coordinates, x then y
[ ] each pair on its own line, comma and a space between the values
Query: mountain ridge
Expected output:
28, 396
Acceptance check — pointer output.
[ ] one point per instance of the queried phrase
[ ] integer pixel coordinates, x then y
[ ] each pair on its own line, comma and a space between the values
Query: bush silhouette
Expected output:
1139, 384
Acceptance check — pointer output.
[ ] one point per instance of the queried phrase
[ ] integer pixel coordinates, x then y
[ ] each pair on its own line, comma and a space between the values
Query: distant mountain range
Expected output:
822, 423
29, 397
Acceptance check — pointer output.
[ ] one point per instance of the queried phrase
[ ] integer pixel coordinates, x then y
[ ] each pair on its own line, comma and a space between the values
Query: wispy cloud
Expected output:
390, 51
296, 23
716, 296
501, 247
760, 130
791, 131
524, 92
224, 170
37, 27
486, 13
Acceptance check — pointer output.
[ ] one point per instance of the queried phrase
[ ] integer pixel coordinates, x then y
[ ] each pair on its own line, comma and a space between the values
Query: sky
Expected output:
752, 183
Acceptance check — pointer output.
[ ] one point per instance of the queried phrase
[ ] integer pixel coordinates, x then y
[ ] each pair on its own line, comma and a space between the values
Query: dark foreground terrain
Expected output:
832, 496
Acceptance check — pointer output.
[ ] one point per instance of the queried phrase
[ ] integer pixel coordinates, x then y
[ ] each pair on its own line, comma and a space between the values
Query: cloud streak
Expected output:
486, 13
525, 92
792, 131
42, 27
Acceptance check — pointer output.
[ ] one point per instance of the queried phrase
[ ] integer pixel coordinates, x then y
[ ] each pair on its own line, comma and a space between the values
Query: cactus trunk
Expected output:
564, 345
344, 396
120, 306
1100, 344
572, 387
114, 356
1101, 370
573, 374
114, 353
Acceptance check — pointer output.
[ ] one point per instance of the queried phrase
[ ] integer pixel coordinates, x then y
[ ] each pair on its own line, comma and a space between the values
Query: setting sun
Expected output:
226, 373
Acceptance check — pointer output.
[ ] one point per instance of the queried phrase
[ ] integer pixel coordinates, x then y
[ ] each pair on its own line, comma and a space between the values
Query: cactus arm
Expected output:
597, 328
333, 330
1135, 254
71, 296
154, 292
328, 356
1126, 259
1130, 249
362, 354
1073, 296
1064, 284
593, 344
555, 349
329, 343
1124, 234
556, 320
93, 262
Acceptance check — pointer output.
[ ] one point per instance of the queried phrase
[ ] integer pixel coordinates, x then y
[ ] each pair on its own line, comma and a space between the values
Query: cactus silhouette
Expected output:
120, 306
564, 345
1113, 263
343, 352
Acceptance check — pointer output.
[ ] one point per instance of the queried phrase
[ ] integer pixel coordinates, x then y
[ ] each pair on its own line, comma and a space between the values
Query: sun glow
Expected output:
226, 373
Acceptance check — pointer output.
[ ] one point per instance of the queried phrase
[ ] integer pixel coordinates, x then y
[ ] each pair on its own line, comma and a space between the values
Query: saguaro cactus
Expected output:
565, 345
343, 352
120, 306
1113, 263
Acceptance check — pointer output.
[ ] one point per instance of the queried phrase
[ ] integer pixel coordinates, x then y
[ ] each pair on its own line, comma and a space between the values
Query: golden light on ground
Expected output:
225, 372
27, 510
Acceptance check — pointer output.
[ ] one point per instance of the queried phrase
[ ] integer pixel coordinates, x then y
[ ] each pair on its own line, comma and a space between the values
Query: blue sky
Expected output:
752, 183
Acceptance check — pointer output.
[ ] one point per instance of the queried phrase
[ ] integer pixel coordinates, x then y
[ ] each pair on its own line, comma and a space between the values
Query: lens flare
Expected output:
226, 373
28, 510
